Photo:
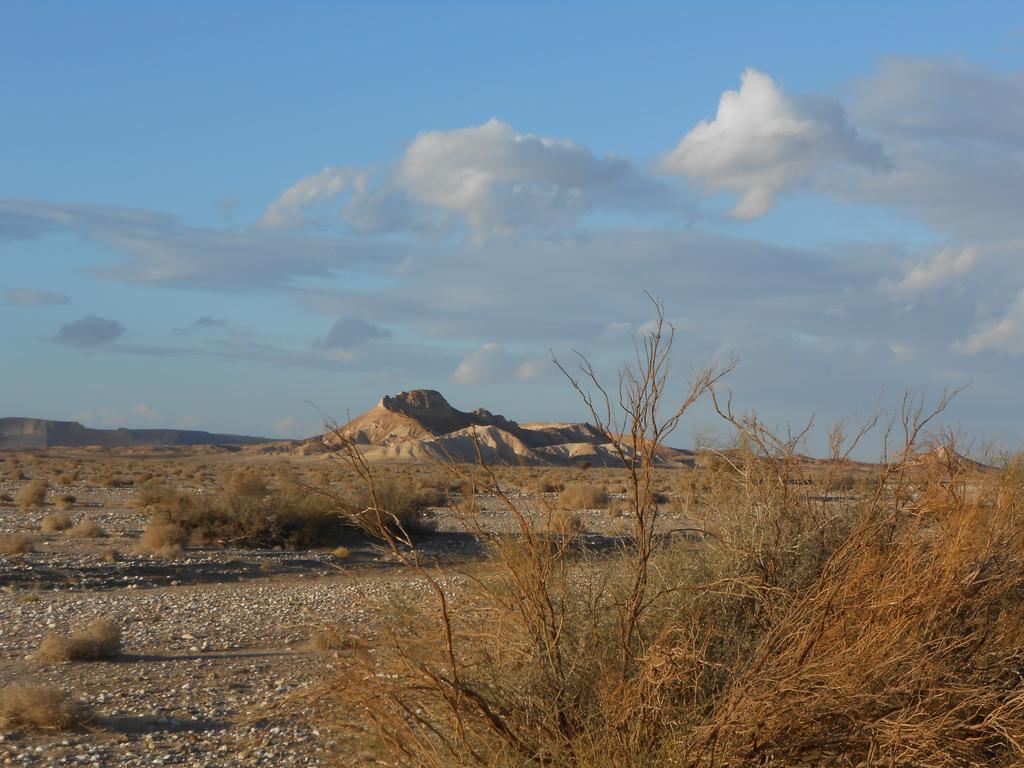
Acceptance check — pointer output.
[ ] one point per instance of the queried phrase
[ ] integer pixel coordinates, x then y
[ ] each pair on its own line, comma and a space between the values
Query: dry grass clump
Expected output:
58, 521
16, 544
101, 639
397, 502
248, 483
167, 540
32, 707
580, 495
253, 511
250, 512
562, 524
87, 528
65, 501
32, 495
113, 480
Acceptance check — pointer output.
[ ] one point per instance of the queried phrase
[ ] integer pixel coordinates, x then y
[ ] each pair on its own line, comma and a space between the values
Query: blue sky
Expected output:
213, 214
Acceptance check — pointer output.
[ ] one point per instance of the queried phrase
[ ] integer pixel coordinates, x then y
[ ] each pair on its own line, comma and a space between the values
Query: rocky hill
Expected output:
421, 425
26, 434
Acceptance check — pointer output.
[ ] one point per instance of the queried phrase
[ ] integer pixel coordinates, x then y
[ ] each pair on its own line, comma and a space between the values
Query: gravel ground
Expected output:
213, 642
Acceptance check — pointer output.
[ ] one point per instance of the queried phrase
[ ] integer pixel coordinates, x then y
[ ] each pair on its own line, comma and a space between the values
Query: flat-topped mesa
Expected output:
419, 403
429, 408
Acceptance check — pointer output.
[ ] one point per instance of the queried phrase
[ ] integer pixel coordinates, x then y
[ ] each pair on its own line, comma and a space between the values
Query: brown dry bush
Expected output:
33, 707
87, 529
167, 540
250, 512
798, 627
549, 655
58, 521
562, 523
906, 648
579, 495
401, 503
65, 501
100, 640
247, 483
32, 495
16, 544
116, 481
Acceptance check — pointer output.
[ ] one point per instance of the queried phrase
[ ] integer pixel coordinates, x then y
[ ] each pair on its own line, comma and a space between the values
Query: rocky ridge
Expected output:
421, 425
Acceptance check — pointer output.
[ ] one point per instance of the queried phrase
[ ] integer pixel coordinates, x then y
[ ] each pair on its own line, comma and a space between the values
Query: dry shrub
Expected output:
101, 639
58, 521
87, 528
113, 480
32, 495
38, 708
289, 514
68, 478
907, 648
397, 502
549, 485
540, 658
562, 523
65, 501
167, 540
16, 544
247, 483
580, 495
799, 627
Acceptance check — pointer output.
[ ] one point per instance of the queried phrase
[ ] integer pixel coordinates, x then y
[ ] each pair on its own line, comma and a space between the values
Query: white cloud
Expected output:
495, 180
533, 368
484, 366
502, 182
1003, 335
764, 141
946, 264
292, 207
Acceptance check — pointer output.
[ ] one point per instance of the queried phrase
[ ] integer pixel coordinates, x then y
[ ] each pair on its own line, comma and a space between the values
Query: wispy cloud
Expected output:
30, 296
1005, 334
923, 275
